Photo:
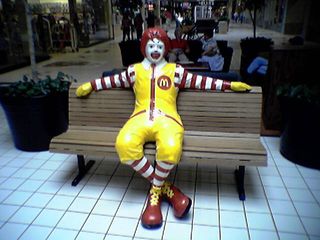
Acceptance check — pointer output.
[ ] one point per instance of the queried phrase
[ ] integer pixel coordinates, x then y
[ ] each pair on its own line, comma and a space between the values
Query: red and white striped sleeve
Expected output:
184, 79
124, 79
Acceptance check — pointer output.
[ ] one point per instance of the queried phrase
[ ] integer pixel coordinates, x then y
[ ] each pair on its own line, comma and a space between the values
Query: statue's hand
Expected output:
240, 87
84, 89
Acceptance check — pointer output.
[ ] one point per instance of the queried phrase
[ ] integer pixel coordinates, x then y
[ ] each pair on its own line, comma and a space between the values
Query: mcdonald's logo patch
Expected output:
164, 82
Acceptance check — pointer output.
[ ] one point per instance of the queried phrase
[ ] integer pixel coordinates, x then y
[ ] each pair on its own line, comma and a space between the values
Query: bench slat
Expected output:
242, 148
235, 108
113, 107
220, 128
188, 157
234, 153
108, 139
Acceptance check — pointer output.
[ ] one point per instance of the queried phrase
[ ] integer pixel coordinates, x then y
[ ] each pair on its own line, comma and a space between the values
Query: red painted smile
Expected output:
155, 55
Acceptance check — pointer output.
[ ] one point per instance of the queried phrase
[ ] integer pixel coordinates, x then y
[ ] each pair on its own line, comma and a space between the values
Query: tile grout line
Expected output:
97, 199
218, 202
114, 216
167, 213
32, 193
45, 207
310, 190
291, 200
194, 200
264, 191
65, 210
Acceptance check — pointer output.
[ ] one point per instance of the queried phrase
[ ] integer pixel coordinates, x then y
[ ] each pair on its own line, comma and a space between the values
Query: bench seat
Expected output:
221, 148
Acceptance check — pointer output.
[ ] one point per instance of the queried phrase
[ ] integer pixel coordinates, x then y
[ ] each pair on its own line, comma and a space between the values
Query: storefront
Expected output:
58, 26
14, 48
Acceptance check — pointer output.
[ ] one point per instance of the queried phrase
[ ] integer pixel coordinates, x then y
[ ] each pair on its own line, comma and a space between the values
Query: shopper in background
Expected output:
151, 20
126, 26
211, 53
138, 24
179, 48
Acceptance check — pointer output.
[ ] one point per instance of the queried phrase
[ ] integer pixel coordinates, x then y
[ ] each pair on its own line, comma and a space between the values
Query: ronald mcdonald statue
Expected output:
156, 84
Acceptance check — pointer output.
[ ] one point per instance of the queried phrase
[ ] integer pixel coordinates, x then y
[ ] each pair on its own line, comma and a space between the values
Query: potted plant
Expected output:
300, 109
36, 110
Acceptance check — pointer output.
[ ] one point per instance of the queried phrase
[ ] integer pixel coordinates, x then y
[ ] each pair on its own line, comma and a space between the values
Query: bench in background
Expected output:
227, 53
130, 52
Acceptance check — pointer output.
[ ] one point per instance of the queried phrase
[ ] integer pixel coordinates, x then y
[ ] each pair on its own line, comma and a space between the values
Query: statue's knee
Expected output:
128, 148
122, 143
171, 152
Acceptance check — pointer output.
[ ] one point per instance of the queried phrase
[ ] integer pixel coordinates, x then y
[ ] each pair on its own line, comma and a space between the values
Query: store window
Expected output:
94, 18
57, 26
14, 48
74, 23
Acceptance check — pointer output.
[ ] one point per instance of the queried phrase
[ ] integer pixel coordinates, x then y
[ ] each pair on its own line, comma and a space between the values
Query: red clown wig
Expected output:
150, 34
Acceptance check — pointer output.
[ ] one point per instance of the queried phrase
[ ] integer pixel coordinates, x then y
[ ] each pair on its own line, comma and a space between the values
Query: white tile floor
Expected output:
38, 202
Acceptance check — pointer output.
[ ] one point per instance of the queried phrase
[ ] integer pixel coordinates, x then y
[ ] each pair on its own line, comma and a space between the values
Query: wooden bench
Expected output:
221, 128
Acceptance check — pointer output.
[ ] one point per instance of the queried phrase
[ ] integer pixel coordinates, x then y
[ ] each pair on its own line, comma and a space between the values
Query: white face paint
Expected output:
155, 50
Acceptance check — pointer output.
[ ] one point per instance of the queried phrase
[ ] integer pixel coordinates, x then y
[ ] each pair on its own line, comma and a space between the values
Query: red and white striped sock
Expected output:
161, 173
143, 167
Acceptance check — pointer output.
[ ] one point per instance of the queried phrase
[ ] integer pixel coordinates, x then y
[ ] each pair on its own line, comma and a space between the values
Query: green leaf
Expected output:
28, 87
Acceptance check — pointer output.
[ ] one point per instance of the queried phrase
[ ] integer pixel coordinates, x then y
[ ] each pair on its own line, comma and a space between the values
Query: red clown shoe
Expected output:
180, 202
152, 216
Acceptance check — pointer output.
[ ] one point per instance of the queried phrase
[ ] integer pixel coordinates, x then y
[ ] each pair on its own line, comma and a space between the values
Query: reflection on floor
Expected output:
66, 63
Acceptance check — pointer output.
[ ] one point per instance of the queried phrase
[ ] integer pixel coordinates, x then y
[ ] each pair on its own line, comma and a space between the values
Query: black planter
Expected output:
132, 47
34, 121
57, 111
4, 57
299, 140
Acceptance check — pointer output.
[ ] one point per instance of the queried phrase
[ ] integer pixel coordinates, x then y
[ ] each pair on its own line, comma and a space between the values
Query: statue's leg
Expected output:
169, 146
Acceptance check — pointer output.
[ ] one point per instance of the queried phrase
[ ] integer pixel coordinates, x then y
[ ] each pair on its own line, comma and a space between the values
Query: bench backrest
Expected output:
199, 110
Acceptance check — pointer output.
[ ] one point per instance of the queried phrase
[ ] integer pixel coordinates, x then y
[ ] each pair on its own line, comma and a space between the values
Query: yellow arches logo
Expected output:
164, 82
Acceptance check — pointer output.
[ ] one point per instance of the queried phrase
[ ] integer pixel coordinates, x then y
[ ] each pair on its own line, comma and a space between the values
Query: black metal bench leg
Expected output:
239, 173
83, 169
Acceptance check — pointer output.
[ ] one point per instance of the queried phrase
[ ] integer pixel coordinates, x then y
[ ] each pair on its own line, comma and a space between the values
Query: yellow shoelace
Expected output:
155, 195
167, 190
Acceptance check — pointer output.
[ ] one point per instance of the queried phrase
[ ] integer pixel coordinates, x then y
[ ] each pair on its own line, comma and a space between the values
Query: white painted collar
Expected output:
146, 63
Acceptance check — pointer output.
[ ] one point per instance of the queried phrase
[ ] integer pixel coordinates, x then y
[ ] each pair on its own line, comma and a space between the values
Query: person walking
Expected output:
151, 20
138, 24
126, 26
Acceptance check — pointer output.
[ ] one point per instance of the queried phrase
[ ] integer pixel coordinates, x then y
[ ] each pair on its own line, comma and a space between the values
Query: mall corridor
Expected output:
37, 200
90, 62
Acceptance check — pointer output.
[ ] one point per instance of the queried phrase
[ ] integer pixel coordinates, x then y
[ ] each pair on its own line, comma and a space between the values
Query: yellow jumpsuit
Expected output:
155, 117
